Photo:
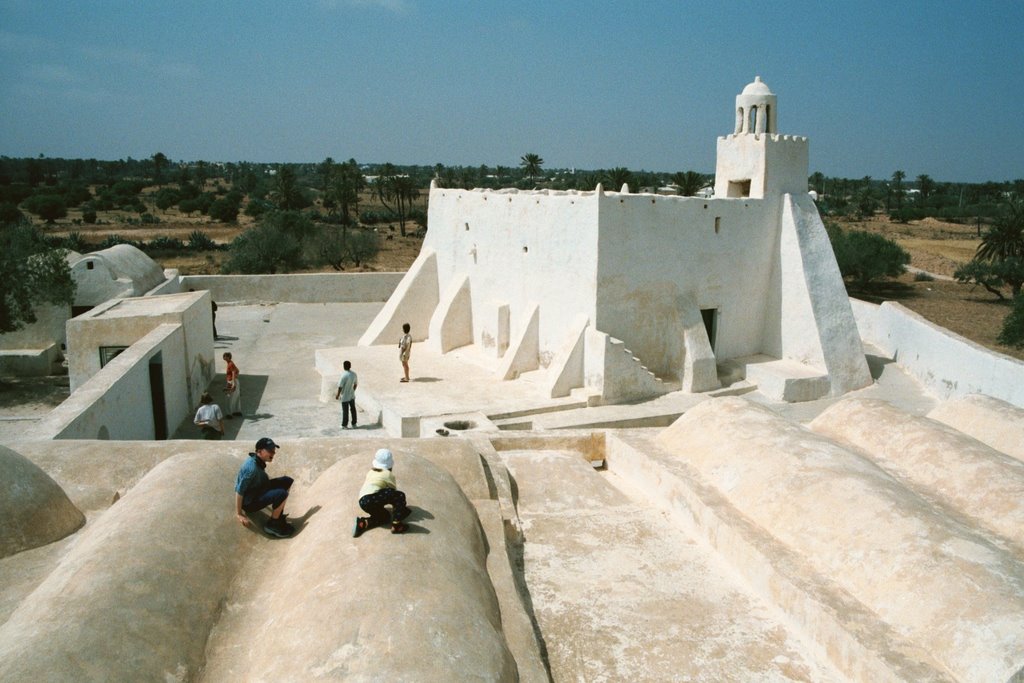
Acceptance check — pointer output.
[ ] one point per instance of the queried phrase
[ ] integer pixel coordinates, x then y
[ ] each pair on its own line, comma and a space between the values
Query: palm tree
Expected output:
1005, 237
897, 186
531, 164
159, 163
925, 185
617, 177
689, 183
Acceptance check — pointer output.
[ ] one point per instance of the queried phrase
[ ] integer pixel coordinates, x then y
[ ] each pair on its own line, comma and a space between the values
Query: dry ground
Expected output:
938, 248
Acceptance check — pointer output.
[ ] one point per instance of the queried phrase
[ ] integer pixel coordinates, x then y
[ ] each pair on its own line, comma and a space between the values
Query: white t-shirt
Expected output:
347, 384
209, 412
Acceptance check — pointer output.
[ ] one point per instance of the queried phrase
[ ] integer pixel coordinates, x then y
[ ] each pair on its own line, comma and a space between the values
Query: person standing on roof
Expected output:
404, 349
347, 384
232, 387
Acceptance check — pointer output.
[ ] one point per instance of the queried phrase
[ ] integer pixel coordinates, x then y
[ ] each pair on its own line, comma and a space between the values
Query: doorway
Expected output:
710, 316
156, 390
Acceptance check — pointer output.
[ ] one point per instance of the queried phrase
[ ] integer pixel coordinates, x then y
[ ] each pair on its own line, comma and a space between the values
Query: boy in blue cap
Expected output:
254, 490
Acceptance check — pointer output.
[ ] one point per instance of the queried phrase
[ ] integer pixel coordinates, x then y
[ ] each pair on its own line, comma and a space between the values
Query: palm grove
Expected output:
334, 214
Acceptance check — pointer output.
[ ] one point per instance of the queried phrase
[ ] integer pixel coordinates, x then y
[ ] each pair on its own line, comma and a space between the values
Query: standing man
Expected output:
347, 393
231, 387
254, 490
404, 347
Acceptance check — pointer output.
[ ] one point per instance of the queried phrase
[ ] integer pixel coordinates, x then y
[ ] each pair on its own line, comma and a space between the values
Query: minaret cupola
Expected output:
756, 110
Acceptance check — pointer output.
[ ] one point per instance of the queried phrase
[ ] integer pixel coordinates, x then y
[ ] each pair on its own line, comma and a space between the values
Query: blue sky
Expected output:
925, 87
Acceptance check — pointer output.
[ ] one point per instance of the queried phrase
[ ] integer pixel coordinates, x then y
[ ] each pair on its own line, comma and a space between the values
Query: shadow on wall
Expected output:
253, 387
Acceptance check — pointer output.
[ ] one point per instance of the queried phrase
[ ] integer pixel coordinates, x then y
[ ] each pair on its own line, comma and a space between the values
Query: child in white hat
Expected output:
380, 489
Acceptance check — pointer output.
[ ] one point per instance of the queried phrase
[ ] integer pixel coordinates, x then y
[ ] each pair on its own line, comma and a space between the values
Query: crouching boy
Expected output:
381, 489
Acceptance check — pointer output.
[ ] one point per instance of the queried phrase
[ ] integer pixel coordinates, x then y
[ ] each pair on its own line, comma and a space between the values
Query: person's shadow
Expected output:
259, 521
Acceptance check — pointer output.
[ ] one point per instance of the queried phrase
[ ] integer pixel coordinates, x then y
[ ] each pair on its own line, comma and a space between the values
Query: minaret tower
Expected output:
755, 161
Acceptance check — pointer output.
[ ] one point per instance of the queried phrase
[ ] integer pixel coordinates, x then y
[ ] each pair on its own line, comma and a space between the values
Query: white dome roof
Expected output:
757, 88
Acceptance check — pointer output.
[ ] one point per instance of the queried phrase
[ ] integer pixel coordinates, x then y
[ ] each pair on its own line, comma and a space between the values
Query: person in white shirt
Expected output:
209, 417
347, 384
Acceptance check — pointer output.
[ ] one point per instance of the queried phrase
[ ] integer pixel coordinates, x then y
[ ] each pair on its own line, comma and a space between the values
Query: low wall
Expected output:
312, 288
946, 363
116, 402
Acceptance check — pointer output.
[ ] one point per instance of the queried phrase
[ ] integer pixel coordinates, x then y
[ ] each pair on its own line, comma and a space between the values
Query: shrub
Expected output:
89, 215
375, 217
9, 213
866, 256
200, 241
75, 242
114, 240
1012, 332
257, 207
148, 219
921, 276
164, 244
224, 210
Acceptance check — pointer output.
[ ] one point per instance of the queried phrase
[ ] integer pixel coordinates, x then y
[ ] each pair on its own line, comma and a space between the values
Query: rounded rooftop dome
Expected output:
757, 88
34, 508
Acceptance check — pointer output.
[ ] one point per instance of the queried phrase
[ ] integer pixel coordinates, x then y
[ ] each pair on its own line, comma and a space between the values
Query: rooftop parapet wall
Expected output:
306, 288
946, 363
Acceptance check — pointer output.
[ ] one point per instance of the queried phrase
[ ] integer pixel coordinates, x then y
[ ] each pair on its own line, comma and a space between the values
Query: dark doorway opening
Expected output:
710, 316
156, 390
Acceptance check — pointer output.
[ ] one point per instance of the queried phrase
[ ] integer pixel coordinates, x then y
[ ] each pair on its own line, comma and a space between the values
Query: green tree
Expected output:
897, 187
866, 256
166, 197
32, 273
343, 191
617, 177
1012, 331
159, 164
286, 193
689, 183
225, 210
397, 192
925, 187
275, 244
49, 207
531, 164
999, 259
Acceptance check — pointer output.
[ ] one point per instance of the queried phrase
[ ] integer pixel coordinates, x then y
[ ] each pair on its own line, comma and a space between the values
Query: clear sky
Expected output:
925, 87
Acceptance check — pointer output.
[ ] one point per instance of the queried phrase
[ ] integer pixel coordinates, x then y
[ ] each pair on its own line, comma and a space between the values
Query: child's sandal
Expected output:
399, 528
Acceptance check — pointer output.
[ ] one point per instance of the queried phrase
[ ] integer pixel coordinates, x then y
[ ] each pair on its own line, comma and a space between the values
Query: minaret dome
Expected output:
756, 109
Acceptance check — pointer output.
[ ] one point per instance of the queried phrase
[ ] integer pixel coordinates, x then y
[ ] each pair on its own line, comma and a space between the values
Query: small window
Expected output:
739, 188
89, 265
109, 353
718, 224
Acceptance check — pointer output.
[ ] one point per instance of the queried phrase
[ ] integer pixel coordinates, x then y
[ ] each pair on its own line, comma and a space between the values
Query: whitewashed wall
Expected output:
946, 363
116, 402
655, 250
311, 288
519, 248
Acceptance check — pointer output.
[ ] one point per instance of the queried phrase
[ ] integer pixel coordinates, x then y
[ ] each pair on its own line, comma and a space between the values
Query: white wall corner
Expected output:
413, 302
524, 352
494, 329
451, 326
700, 369
831, 324
565, 372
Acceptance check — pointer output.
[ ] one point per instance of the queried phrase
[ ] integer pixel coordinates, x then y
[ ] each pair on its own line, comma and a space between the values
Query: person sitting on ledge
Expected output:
254, 490
380, 489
